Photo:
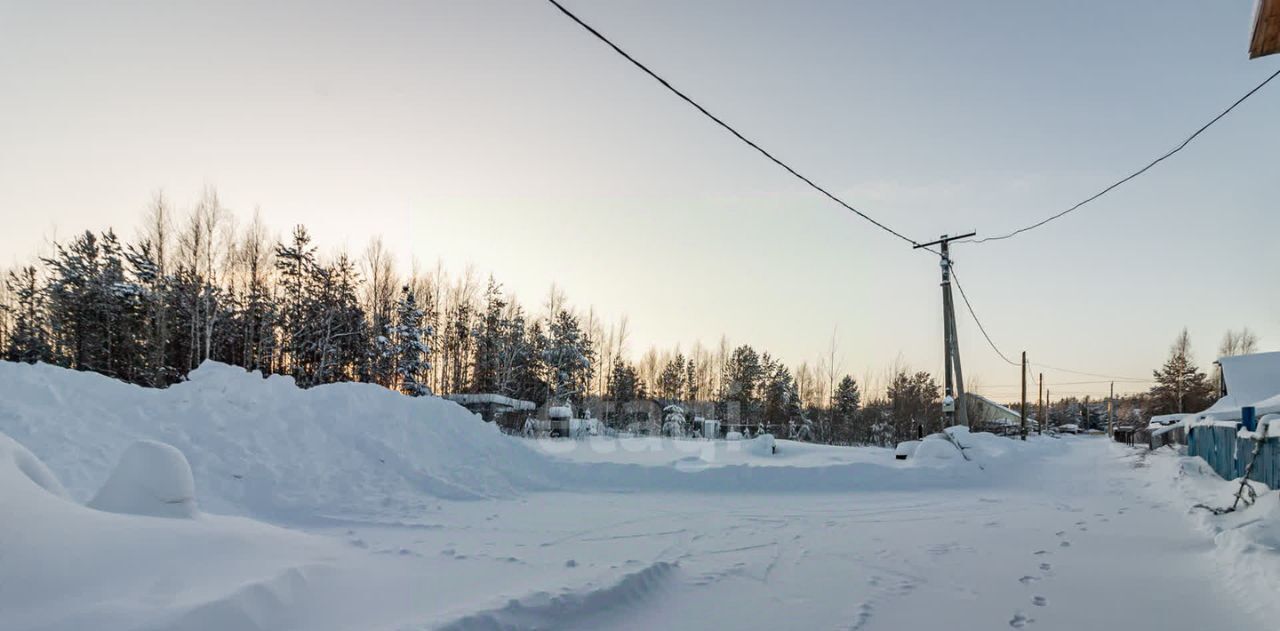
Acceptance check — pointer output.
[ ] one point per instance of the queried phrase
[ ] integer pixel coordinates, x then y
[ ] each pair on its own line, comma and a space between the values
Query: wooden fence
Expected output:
1229, 454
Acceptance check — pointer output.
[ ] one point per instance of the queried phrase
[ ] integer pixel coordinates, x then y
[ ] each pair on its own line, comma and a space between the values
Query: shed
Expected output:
492, 407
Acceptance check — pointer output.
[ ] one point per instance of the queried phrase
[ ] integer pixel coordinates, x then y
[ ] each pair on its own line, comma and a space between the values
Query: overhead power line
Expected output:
666, 84
1135, 174
1071, 383
956, 279
1094, 374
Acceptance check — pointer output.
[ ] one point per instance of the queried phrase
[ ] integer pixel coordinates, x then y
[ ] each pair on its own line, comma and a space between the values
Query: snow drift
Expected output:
266, 448
68, 566
263, 446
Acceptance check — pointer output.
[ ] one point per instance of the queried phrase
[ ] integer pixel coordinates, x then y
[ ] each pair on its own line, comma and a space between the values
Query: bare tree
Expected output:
1242, 342
381, 282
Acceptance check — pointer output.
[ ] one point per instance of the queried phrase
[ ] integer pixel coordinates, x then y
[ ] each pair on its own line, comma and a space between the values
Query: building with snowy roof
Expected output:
998, 419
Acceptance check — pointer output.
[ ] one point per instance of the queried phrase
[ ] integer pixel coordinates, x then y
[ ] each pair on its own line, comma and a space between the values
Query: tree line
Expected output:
197, 285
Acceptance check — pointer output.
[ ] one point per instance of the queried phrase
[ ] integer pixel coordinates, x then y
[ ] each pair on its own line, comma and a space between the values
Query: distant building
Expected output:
495, 408
998, 419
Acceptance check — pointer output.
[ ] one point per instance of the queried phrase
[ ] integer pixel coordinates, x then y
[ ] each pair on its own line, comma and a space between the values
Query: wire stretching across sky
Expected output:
973, 314
1135, 174
956, 279
666, 84
726, 126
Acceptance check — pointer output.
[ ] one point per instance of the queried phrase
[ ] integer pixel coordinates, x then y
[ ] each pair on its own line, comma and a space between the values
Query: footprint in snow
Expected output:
1064, 544
1039, 601
1018, 621
1027, 580
862, 618
1045, 567
1040, 552
1060, 533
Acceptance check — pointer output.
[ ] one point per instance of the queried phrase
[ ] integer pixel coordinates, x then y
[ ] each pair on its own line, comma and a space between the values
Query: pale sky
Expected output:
498, 133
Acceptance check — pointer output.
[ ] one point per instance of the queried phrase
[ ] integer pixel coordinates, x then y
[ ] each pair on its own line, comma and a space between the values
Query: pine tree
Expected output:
741, 378
28, 338
491, 342
844, 411
566, 357
671, 381
412, 345
1180, 384
294, 264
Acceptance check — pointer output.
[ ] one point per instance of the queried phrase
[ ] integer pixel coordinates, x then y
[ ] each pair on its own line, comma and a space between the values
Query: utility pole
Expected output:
1040, 405
1024, 395
958, 414
1111, 411
1048, 403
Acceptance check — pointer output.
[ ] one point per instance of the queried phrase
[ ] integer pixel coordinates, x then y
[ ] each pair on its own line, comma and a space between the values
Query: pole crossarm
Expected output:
943, 241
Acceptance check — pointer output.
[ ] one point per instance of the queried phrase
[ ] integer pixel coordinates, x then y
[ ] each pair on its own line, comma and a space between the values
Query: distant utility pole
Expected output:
1040, 404
951, 346
1111, 411
1048, 403
1024, 395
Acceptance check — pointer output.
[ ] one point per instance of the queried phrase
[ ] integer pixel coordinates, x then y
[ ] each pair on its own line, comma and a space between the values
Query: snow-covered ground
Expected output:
396, 513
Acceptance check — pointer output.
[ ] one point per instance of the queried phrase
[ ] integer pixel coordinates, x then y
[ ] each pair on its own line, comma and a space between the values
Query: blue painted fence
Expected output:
1229, 454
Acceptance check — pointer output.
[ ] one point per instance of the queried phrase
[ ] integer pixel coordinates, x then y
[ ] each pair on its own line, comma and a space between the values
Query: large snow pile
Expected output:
266, 448
262, 446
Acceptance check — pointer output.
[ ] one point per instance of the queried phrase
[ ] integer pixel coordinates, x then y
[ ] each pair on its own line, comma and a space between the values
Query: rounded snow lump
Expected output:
152, 478
762, 445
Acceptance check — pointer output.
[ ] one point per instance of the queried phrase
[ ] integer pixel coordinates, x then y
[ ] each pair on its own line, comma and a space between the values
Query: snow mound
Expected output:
762, 445
936, 447
265, 447
19, 468
152, 479
68, 566
353, 451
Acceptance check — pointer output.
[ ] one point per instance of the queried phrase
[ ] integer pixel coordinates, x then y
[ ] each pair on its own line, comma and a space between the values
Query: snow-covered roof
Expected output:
491, 399
1008, 412
1167, 419
1251, 380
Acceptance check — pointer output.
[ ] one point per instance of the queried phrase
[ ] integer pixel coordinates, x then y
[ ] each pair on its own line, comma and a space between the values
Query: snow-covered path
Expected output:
1080, 542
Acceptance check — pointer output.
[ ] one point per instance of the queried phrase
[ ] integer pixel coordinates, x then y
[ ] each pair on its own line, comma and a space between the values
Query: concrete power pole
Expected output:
951, 351
1024, 396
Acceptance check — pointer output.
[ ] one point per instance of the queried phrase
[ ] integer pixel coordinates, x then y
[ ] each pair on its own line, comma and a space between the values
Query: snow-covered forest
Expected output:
199, 283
